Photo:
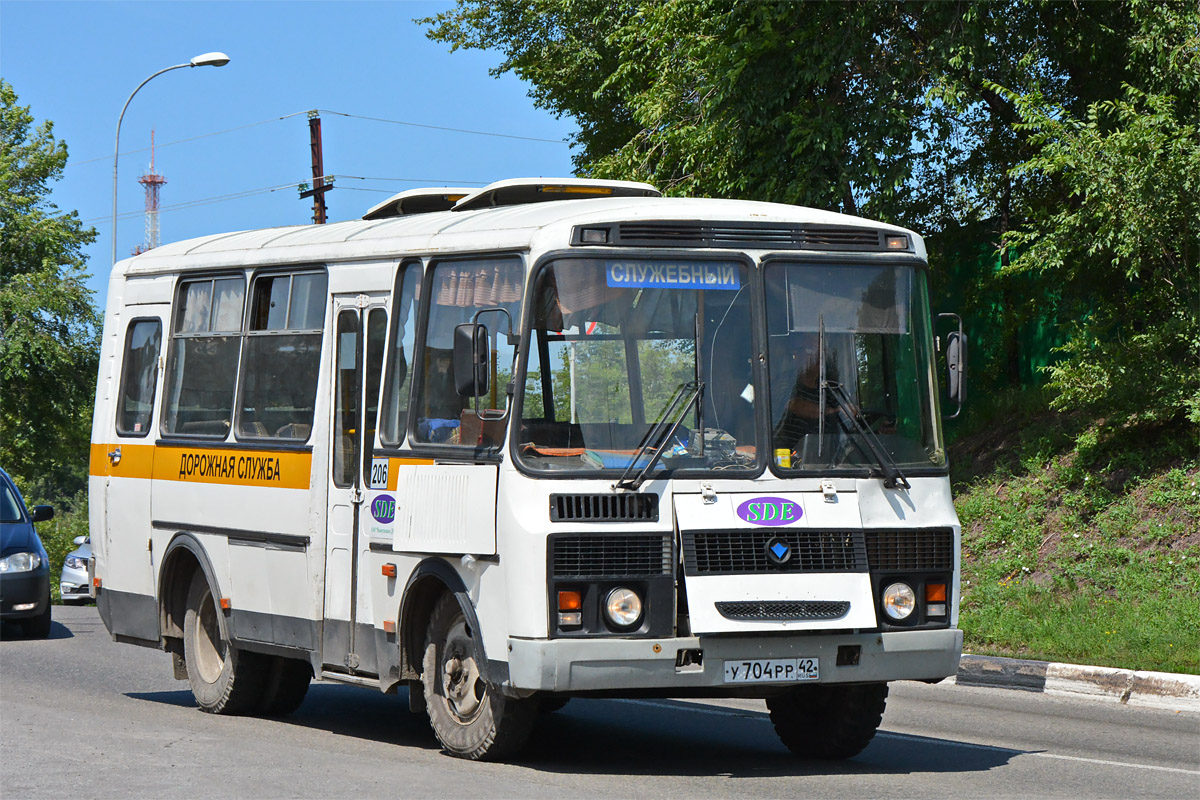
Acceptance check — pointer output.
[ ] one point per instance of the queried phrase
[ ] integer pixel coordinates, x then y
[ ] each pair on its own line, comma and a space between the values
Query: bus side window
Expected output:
398, 382
458, 290
282, 356
205, 348
139, 377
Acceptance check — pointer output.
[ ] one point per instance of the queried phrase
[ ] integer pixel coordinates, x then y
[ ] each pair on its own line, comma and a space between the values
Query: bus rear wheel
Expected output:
471, 718
828, 722
223, 679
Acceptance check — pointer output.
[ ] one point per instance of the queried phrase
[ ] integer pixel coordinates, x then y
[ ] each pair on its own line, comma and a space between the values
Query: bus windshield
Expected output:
618, 350
850, 368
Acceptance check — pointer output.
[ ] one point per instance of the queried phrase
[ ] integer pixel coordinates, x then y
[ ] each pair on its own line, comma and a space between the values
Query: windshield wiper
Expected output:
892, 476
695, 387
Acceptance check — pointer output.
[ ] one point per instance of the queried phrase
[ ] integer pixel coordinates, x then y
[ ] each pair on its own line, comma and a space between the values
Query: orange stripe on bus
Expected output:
224, 466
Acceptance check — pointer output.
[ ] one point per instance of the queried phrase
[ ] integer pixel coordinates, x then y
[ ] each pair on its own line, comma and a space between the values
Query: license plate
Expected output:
780, 670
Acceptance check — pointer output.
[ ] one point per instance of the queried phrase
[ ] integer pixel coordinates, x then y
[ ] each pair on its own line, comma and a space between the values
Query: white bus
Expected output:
547, 439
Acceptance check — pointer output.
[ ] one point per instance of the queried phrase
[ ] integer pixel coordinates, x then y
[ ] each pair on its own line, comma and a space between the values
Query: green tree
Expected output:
49, 330
889, 109
1122, 233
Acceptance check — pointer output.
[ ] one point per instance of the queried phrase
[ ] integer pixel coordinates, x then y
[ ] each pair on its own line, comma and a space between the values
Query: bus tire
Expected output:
828, 722
469, 717
224, 679
286, 685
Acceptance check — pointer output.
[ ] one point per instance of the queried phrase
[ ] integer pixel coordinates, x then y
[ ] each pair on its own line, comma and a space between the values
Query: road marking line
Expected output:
763, 717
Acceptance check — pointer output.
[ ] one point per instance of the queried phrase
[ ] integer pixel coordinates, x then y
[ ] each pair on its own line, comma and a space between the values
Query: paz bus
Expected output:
502, 447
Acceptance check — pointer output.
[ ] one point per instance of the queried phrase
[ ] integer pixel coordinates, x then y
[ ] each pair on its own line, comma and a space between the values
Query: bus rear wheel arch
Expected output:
223, 678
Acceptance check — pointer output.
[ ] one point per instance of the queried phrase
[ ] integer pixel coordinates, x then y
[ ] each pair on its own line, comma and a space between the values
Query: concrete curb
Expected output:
1107, 684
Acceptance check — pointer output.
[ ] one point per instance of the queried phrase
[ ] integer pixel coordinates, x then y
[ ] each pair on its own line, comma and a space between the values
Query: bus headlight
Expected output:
623, 607
899, 601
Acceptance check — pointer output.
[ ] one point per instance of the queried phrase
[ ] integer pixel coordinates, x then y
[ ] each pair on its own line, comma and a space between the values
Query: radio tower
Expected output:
153, 182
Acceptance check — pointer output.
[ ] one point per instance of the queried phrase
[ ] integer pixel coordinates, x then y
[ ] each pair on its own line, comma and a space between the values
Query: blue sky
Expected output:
76, 63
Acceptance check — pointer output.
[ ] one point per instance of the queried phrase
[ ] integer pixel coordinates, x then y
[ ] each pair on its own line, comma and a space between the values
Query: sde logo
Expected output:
383, 508
770, 511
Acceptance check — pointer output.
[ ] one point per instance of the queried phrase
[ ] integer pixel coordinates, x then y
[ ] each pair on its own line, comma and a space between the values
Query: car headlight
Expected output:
75, 562
20, 562
623, 607
899, 601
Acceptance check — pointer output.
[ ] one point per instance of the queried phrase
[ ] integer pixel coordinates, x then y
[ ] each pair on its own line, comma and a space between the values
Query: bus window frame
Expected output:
174, 320
403, 435
758, 343
445, 450
124, 379
252, 281
849, 258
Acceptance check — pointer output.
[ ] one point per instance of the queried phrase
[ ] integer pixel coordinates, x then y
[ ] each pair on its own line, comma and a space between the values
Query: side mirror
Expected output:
78, 540
41, 513
956, 365
471, 359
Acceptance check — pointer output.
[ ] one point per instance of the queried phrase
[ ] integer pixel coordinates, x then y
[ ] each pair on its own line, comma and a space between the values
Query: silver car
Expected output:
73, 586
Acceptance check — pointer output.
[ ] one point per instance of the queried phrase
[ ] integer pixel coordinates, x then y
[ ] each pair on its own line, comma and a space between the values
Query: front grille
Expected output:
577, 556
763, 236
740, 552
604, 508
783, 610
910, 550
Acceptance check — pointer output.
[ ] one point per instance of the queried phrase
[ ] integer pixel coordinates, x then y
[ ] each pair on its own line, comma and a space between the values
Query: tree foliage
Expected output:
1123, 238
1018, 120
49, 330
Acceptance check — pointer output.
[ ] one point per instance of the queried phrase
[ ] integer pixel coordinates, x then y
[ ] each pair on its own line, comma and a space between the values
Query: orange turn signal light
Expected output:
570, 601
389, 570
225, 604
935, 593
389, 626
96, 582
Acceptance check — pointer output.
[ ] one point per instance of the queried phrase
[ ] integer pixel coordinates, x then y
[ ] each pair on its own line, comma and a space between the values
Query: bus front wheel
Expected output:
223, 679
469, 717
828, 721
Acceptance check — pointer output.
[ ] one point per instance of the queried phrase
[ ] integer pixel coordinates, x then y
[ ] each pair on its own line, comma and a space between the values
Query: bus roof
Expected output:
515, 228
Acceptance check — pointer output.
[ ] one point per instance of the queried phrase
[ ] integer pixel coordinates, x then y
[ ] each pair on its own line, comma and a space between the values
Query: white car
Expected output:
73, 586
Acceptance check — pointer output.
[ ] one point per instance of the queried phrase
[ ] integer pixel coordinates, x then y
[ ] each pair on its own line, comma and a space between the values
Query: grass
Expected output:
1081, 539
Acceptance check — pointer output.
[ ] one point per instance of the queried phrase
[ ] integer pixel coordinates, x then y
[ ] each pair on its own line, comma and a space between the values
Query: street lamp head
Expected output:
210, 60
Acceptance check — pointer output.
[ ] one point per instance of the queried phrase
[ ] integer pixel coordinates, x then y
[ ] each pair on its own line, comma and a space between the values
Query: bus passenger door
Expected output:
125, 461
360, 325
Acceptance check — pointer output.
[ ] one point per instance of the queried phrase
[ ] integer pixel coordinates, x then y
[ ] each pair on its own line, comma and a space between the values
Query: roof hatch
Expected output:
419, 201
520, 191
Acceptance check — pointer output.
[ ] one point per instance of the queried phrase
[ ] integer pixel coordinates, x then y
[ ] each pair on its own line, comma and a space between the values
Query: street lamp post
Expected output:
203, 60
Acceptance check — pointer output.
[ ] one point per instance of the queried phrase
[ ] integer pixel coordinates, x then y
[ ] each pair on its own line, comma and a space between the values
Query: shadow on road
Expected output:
10, 631
635, 738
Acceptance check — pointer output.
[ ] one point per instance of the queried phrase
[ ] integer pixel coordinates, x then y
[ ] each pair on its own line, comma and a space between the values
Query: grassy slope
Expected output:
1081, 540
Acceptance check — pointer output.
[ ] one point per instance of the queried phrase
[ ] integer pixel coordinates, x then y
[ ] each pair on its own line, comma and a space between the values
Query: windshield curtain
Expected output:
617, 351
863, 331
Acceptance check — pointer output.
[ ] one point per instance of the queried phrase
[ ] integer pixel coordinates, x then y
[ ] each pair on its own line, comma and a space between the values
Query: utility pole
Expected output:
321, 183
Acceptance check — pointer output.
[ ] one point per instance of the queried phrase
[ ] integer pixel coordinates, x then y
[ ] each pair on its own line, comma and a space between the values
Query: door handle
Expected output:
114, 456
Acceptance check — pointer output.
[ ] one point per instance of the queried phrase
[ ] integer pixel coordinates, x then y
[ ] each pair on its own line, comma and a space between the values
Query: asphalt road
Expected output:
81, 716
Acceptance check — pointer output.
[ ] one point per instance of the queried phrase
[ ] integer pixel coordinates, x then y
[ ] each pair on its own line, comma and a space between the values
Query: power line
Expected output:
190, 138
72, 163
444, 128
203, 201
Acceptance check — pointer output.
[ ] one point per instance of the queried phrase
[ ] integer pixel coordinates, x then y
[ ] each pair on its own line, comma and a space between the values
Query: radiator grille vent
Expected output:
745, 551
768, 236
783, 610
910, 550
575, 556
604, 508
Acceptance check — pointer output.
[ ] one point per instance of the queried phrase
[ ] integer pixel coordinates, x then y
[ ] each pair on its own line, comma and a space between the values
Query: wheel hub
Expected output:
462, 683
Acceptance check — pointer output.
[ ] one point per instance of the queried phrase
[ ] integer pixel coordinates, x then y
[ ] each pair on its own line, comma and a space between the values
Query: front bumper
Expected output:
23, 588
73, 585
575, 665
